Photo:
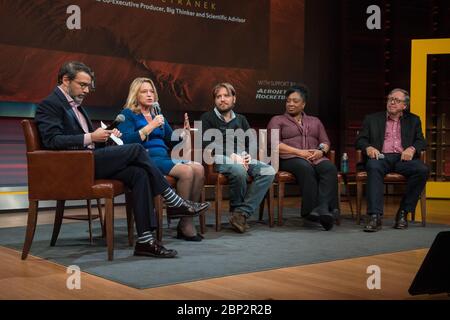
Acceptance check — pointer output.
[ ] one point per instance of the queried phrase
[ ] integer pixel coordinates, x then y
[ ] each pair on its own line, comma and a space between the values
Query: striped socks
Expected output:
172, 199
146, 237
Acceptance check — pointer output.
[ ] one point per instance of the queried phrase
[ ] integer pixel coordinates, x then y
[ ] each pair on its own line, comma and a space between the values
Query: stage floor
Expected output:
36, 278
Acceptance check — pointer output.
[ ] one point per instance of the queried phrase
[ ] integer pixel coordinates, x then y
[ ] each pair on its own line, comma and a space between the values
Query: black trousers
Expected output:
415, 171
318, 183
131, 164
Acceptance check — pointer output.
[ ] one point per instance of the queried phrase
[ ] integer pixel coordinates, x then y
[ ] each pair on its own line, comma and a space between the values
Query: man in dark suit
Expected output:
391, 141
63, 124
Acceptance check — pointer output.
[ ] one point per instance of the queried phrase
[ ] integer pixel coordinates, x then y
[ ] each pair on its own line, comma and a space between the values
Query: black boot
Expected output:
326, 218
374, 223
187, 209
401, 221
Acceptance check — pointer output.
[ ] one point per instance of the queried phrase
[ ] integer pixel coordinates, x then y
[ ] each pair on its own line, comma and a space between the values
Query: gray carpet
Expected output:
220, 254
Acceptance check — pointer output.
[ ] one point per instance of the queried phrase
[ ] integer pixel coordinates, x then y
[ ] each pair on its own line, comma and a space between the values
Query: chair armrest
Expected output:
60, 175
359, 156
210, 174
214, 177
332, 156
423, 156
209, 169
360, 166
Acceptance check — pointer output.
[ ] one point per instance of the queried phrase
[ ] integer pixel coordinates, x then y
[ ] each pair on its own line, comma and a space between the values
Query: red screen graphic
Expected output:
185, 46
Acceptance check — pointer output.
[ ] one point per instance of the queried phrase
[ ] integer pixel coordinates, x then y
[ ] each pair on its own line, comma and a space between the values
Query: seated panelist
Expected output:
144, 124
303, 146
391, 141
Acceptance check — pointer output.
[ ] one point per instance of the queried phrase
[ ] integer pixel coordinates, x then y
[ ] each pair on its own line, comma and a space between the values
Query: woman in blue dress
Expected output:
145, 126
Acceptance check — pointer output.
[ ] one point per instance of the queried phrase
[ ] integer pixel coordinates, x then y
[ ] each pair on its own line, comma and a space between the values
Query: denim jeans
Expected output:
246, 198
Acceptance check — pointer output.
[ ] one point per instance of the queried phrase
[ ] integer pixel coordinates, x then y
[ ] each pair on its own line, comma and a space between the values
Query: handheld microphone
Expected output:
119, 119
322, 148
157, 110
244, 154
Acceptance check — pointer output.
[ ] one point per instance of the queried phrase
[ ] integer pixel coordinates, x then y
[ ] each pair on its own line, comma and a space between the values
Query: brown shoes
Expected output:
239, 222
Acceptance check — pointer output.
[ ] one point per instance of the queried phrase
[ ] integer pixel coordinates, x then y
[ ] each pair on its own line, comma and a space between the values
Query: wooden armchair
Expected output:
67, 175
218, 180
390, 178
283, 177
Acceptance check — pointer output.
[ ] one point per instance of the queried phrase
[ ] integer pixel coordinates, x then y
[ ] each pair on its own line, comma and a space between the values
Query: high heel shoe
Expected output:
198, 237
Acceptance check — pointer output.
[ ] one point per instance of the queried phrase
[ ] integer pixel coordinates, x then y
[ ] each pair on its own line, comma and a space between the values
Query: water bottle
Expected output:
344, 163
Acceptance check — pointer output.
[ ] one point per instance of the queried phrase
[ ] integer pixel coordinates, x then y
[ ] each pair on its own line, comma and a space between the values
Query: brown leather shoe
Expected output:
153, 249
247, 226
238, 222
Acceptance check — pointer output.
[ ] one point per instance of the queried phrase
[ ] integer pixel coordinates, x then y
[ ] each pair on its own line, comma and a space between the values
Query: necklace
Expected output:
147, 117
